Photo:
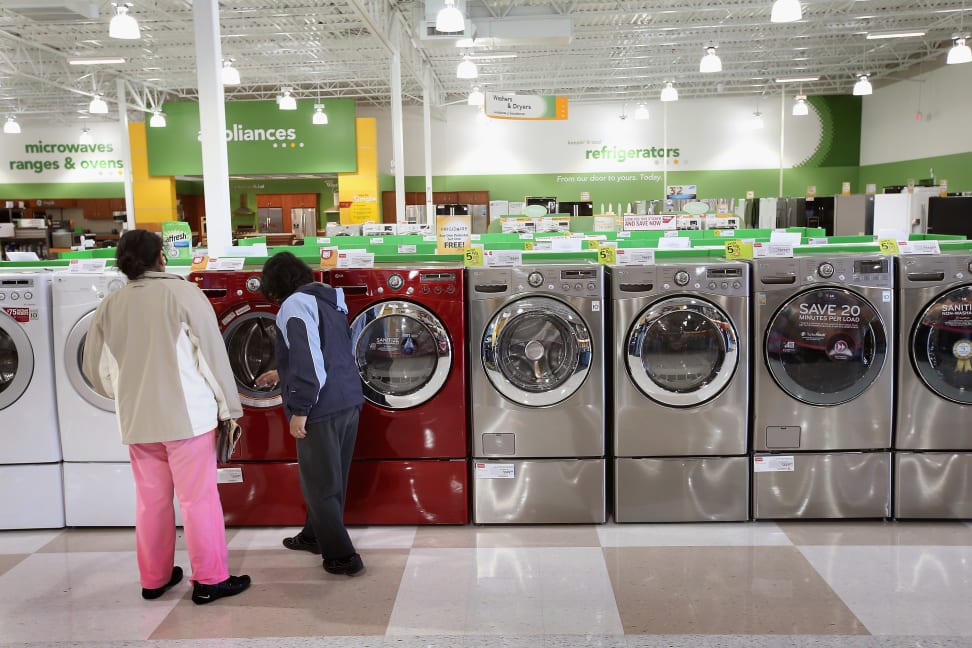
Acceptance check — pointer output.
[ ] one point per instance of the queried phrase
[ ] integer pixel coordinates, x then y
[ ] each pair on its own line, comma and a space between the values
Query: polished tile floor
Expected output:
751, 584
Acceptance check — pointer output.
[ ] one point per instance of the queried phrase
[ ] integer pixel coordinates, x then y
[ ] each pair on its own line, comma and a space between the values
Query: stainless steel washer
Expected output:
537, 393
823, 386
933, 458
681, 391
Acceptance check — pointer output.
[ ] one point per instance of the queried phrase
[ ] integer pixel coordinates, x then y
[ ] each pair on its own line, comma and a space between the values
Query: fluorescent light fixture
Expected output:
863, 86
286, 101
669, 93
123, 26
757, 120
495, 55
467, 69
157, 120
320, 117
785, 11
98, 106
878, 35
11, 127
641, 112
85, 135
802, 79
710, 62
449, 19
97, 60
800, 107
476, 97
960, 52
231, 76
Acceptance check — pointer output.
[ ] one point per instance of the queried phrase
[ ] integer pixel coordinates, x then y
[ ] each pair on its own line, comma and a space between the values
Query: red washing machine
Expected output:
261, 486
411, 457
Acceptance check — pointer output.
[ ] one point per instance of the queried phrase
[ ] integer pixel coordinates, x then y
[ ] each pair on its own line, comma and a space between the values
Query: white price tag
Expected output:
773, 463
671, 234
503, 257
526, 236
624, 234
376, 240
674, 243
489, 470
472, 237
776, 250
635, 256
817, 241
355, 259
791, 238
919, 247
229, 475
727, 233
323, 240
226, 263
96, 266
430, 239
565, 244
407, 249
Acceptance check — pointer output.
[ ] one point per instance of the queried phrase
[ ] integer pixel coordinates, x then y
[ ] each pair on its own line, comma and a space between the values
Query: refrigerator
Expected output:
270, 220
905, 213
952, 215
303, 222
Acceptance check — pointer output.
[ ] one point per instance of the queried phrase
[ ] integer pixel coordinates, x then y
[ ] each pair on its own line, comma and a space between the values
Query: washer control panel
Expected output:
17, 291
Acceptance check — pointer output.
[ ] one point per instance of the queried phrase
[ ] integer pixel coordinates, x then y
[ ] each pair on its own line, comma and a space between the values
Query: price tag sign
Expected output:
737, 249
503, 258
811, 192
406, 249
919, 247
329, 257
472, 257
376, 240
593, 244
870, 188
888, 246
636, 256
226, 263
943, 189
199, 263
607, 255
845, 189
750, 195
96, 266
911, 185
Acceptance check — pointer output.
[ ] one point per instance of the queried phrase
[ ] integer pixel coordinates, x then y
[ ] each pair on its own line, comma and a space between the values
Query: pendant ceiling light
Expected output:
231, 76
85, 135
641, 112
122, 25
11, 127
863, 86
757, 120
710, 62
800, 107
320, 117
449, 19
476, 97
669, 93
286, 101
157, 120
98, 106
960, 52
467, 69
785, 11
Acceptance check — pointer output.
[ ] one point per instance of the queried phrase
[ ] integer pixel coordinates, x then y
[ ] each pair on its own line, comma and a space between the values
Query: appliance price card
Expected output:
495, 471
773, 463
772, 250
472, 256
226, 263
504, 257
406, 249
377, 240
87, 265
636, 256
674, 243
919, 247
229, 475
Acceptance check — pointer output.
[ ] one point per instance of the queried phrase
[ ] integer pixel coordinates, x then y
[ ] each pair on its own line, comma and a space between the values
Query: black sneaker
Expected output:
202, 594
301, 543
350, 566
156, 592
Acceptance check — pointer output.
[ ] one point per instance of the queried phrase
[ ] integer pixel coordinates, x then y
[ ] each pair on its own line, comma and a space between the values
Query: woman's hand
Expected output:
268, 379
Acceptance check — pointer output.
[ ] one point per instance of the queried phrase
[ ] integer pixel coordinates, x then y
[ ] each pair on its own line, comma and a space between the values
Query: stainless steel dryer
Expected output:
933, 440
537, 393
823, 386
681, 391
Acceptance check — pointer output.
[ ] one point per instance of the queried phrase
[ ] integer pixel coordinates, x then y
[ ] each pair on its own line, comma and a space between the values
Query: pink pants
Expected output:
190, 466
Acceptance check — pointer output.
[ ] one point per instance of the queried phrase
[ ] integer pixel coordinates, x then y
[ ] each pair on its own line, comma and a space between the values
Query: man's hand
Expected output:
268, 379
297, 429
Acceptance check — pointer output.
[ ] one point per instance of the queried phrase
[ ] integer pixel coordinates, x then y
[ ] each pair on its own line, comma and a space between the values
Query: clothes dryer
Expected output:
31, 492
823, 386
537, 393
261, 485
933, 441
681, 391
411, 457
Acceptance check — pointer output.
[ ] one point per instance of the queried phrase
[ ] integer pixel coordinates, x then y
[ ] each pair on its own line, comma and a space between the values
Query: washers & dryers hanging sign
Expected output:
59, 156
515, 106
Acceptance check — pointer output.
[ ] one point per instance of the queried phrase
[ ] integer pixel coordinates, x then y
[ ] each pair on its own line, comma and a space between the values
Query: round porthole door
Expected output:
73, 359
941, 345
250, 340
16, 361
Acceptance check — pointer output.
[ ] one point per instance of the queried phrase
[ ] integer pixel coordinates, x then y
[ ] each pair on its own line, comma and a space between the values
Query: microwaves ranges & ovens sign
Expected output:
60, 155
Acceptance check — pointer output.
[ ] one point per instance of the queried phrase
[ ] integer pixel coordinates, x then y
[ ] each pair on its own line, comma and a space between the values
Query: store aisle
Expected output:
749, 584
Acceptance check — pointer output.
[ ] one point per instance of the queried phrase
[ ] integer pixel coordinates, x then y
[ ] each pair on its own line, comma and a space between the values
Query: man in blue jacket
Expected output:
322, 398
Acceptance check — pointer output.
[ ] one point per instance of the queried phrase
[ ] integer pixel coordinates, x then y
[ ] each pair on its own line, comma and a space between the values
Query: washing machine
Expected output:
536, 344
31, 490
261, 485
823, 390
933, 443
411, 456
681, 391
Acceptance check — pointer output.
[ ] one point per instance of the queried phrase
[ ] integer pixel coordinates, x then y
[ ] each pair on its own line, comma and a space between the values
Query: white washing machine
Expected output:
681, 391
536, 341
30, 452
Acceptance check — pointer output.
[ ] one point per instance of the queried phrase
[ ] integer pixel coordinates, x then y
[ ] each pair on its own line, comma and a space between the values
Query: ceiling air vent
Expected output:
53, 11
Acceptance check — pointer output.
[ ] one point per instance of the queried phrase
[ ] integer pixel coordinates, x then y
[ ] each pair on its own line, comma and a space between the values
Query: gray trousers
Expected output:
324, 460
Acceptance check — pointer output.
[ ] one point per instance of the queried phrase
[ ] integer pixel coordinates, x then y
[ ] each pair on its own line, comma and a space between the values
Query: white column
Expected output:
398, 146
782, 119
665, 157
427, 143
212, 122
126, 154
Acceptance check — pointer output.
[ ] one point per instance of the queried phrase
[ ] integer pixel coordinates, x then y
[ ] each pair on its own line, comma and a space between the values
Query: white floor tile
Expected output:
15, 542
727, 534
381, 537
584, 617
261, 537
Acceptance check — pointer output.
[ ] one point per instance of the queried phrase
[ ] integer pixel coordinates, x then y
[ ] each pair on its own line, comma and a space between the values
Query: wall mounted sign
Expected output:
513, 106
57, 155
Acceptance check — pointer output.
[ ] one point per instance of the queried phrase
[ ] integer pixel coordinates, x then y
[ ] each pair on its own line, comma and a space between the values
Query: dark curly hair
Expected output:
283, 274
138, 251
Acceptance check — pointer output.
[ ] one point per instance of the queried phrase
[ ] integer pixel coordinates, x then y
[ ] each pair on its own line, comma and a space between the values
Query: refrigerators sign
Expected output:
260, 138
514, 106
58, 155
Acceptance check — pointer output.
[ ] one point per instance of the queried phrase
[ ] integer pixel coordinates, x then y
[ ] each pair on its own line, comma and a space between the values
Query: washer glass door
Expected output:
73, 361
403, 352
250, 340
941, 345
16, 361
537, 351
682, 351
826, 346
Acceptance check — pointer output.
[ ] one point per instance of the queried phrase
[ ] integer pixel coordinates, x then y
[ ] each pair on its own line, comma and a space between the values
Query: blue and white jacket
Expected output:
318, 373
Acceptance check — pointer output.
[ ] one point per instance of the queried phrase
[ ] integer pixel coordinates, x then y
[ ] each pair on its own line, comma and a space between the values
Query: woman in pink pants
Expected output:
155, 347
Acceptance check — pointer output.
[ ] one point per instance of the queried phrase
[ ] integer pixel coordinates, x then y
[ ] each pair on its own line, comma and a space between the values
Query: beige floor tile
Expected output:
724, 590
293, 596
7, 561
878, 532
99, 539
507, 536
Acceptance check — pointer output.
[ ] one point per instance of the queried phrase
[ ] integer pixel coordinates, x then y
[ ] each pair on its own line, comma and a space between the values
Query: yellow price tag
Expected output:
888, 246
593, 244
199, 263
607, 255
527, 245
736, 249
472, 257
329, 257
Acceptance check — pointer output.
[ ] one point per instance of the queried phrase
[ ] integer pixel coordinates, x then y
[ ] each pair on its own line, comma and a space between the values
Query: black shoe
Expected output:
155, 593
351, 566
202, 594
301, 543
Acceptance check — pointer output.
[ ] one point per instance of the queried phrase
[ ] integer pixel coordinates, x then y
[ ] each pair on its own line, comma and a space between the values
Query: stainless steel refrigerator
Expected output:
303, 222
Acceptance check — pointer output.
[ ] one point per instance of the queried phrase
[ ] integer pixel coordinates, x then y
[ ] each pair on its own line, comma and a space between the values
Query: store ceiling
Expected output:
587, 50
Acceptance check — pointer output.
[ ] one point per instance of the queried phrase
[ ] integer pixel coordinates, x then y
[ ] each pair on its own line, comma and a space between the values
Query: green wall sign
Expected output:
260, 138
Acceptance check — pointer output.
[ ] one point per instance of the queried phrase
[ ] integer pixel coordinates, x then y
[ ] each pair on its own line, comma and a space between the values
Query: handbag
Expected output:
228, 434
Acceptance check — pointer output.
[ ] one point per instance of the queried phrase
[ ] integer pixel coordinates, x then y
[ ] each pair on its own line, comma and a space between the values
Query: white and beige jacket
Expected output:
155, 347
